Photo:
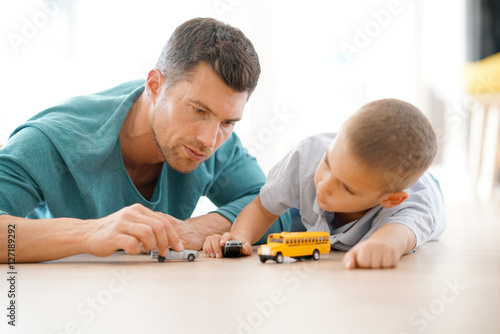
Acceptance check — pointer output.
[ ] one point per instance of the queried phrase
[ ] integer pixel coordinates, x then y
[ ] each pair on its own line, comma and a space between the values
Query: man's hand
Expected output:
134, 229
214, 245
371, 254
193, 231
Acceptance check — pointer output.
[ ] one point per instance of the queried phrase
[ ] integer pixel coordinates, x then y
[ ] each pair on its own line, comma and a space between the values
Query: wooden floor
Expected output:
452, 286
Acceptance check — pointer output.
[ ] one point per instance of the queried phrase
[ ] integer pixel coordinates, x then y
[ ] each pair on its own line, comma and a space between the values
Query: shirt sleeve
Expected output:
423, 212
20, 193
282, 189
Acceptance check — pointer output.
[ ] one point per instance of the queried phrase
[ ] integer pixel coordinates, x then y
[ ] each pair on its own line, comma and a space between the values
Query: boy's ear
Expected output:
393, 199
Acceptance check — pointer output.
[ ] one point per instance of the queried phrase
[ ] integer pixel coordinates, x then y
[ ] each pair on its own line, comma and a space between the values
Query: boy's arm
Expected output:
382, 249
253, 221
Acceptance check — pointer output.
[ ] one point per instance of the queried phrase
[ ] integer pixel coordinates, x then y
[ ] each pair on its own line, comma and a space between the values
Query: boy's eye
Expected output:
348, 190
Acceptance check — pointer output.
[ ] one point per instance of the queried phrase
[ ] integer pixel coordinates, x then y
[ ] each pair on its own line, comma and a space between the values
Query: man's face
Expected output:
343, 184
192, 118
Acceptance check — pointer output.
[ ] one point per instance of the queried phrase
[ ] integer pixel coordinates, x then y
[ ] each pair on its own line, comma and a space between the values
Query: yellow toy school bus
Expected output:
294, 244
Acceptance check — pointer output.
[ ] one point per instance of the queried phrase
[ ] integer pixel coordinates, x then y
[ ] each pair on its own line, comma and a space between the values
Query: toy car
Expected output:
298, 245
232, 248
185, 254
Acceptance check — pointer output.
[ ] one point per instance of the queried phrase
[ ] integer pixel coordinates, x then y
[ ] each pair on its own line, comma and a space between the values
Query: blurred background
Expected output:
321, 61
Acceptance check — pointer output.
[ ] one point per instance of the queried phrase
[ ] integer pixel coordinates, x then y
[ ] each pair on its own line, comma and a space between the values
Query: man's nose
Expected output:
207, 134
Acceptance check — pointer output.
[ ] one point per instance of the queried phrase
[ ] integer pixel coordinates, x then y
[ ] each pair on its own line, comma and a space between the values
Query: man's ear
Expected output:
154, 84
393, 199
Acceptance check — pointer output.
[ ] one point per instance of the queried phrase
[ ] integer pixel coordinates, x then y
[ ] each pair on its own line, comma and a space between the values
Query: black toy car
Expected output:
232, 248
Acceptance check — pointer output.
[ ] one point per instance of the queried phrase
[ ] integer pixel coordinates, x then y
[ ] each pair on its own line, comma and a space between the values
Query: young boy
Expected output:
369, 190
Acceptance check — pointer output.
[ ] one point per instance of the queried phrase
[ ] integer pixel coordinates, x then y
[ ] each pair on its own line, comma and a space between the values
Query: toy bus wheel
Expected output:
191, 257
263, 260
161, 258
279, 258
316, 255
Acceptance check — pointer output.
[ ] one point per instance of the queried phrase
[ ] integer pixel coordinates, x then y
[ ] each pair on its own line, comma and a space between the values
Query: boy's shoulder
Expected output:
315, 143
318, 139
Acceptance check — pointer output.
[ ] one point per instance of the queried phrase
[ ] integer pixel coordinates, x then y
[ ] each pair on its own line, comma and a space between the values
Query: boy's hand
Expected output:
214, 245
371, 254
246, 248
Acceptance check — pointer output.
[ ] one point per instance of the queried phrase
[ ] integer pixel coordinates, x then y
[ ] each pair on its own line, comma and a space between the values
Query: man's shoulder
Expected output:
107, 99
84, 124
120, 90
86, 113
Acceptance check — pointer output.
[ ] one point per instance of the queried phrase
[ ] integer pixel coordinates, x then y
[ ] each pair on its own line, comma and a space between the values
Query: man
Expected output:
124, 168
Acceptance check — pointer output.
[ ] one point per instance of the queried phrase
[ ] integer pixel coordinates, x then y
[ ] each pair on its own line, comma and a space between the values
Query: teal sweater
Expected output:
66, 162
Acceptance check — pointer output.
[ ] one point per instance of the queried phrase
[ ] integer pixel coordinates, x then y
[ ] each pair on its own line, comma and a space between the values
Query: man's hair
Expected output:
393, 139
224, 48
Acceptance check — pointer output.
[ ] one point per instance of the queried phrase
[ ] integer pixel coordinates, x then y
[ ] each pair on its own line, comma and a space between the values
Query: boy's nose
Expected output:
325, 188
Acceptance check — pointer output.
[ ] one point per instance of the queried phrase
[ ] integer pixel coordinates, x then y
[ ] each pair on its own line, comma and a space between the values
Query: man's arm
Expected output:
382, 249
134, 229
193, 231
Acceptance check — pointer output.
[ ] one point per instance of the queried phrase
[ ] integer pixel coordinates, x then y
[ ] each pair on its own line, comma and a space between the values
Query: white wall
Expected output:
51, 50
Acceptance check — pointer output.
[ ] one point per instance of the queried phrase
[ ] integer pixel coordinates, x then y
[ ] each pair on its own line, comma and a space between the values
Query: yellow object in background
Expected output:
483, 76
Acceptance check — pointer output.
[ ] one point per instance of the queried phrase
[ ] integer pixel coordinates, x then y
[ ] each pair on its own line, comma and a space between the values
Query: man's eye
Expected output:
228, 123
198, 111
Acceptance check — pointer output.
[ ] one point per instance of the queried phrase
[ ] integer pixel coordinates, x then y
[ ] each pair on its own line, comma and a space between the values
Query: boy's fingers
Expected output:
208, 246
246, 249
217, 248
225, 237
389, 261
349, 260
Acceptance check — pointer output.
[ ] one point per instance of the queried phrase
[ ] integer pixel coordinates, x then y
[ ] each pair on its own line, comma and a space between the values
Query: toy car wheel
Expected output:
279, 258
161, 258
316, 255
263, 260
191, 257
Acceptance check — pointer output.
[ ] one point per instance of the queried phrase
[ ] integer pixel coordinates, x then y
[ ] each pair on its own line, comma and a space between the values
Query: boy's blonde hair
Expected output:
392, 138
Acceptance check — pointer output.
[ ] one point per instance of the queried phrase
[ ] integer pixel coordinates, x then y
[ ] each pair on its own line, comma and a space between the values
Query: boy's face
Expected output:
343, 184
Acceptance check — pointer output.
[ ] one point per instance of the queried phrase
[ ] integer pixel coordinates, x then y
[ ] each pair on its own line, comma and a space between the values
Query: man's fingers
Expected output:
172, 238
129, 244
164, 232
152, 229
141, 233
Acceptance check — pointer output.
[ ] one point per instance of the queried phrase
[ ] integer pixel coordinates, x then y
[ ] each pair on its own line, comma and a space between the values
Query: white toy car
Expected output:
185, 254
